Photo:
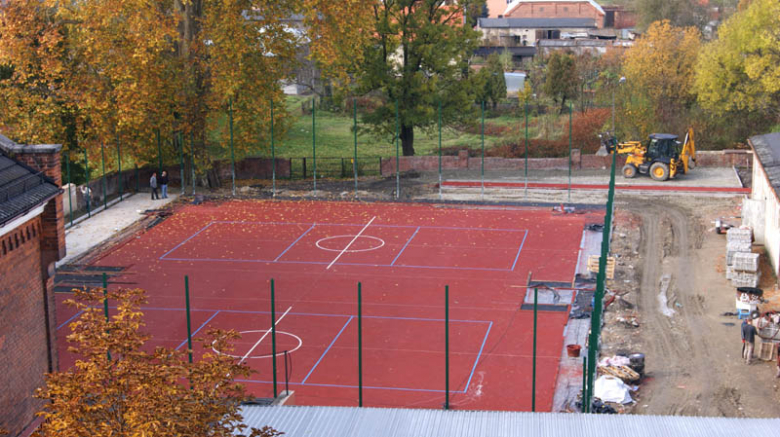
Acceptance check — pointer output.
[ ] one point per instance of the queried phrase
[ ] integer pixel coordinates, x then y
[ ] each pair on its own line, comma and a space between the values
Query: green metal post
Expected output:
105, 307
105, 183
232, 154
119, 164
447, 347
354, 152
570, 115
440, 196
273, 154
397, 159
273, 335
89, 192
314, 142
533, 378
189, 325
482, 135
360, 344
137, 179
181, 161
70, 199
526, 149
159, 153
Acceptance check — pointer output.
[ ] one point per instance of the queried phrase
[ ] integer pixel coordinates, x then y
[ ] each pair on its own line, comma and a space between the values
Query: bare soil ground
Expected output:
693, 357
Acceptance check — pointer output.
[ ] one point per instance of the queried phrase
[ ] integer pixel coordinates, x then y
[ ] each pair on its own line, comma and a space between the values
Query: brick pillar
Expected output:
46, 158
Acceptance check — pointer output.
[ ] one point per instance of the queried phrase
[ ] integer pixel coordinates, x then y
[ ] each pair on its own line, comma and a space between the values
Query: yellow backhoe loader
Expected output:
662, 157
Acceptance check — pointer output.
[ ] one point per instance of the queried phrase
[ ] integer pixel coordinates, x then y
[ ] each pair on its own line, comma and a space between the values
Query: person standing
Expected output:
153, 186
164, 184
749, 336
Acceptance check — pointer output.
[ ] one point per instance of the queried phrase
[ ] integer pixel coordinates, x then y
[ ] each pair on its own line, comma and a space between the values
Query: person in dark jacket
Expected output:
164, 184
749, 336
153, 186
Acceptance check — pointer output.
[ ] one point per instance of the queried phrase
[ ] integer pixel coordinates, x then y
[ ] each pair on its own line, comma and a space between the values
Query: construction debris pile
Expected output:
741, 262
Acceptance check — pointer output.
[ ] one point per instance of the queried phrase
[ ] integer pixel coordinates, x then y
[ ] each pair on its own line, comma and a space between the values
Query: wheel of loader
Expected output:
629, 171
659, 171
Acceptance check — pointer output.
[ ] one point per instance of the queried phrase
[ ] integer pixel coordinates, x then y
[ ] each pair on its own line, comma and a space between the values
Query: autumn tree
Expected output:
118, 388
740, 71
560, 83
490, 83
659, 69
417, 56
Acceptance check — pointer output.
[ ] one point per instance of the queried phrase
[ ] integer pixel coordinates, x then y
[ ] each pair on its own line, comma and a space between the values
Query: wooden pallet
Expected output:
593, 265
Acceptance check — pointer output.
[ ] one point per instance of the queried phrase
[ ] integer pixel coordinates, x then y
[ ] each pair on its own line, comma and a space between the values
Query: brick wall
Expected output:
554, 9
24, 353
724, 158
46, 158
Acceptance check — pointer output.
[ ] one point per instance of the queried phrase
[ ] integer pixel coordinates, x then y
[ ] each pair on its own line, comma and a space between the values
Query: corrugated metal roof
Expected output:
767, 150
380, 422
21, 189
536, 23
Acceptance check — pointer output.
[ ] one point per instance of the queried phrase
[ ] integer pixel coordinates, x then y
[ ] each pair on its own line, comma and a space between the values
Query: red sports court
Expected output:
403, 255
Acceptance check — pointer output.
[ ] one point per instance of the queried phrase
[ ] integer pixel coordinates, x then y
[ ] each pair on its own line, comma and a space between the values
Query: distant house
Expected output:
521, 36
556, 9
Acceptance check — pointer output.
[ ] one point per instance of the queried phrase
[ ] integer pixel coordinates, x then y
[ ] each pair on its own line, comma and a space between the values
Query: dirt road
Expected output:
693, 353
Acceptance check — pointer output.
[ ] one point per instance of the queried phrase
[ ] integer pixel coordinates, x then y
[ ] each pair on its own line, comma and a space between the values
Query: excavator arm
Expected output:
688, 154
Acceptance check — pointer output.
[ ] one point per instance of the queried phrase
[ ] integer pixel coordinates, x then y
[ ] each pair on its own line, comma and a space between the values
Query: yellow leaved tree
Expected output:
120, 388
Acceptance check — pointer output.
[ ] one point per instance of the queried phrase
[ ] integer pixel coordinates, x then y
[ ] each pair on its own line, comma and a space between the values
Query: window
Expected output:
565, 9
4, 251
541, 9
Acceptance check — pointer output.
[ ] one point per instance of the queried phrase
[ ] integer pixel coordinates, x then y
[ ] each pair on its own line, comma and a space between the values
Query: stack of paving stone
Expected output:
741, 263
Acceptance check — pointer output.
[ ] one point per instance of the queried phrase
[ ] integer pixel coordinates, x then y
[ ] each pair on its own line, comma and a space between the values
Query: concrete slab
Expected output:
86, 235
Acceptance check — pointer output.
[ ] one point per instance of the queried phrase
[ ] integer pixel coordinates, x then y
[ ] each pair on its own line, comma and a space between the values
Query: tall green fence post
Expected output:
533, 377
360, 344
273, 153
273, 336
88, 195
137, 179
571, 108
70, 198
105, 183
119, 164
526, 150
232, 154
482, 135
105, 307
440, 195
159, 154
189, 323
447, 347
314, 141
354, 152
397, 159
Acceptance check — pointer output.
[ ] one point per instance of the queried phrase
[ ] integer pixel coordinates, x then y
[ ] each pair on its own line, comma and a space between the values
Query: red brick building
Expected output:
32, 239
556, 9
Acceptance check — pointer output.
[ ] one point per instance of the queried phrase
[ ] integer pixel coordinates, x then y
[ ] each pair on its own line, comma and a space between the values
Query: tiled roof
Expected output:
767, 149
21, 189
536, 23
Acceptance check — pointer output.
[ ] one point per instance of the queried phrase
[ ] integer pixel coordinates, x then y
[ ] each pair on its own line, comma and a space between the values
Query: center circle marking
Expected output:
264, 331
377, 241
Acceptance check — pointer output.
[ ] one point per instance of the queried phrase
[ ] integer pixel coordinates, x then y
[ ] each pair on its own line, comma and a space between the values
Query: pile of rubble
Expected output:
741, 262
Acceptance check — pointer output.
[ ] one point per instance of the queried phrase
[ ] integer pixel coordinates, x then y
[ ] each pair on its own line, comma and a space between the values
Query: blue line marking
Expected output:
294, 242
328, 349
405, 245
198, 330
259, 381
188, 239
69, 320
479, 354
520, 249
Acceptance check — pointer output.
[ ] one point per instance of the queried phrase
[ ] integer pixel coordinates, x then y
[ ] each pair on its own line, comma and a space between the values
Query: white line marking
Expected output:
350, 243
263, 337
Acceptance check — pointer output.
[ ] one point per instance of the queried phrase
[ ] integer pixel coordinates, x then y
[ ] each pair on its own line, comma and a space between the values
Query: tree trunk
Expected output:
407, 140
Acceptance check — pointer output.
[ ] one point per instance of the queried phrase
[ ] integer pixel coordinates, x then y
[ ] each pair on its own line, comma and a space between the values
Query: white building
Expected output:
762, 210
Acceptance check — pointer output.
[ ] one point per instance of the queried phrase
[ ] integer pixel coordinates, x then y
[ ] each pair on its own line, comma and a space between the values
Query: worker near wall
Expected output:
749, 337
